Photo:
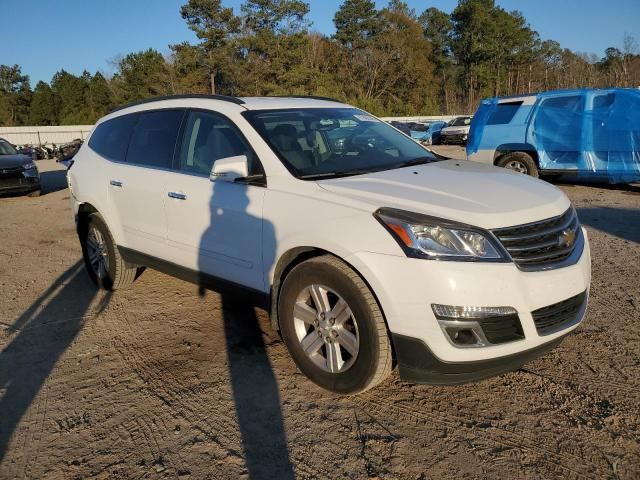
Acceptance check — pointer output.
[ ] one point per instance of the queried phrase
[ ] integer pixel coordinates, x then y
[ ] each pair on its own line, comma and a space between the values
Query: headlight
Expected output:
427, 237
29, 166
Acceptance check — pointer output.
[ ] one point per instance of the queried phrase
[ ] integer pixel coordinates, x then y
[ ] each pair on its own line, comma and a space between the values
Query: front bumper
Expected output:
19, 183
417, 364
407, 287
456, 138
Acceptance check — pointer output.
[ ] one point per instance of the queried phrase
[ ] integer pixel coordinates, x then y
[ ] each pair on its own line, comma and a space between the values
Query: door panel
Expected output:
138, 185
215, 227
140, 202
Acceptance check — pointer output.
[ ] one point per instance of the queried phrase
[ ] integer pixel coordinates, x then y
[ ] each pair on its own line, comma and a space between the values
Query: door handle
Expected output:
177, 195
116, 183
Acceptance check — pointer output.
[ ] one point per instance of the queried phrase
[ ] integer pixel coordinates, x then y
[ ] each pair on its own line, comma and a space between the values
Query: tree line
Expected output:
390, 61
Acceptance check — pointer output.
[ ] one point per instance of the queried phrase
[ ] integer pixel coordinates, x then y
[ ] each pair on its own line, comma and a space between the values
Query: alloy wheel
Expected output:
326, 328
517, 166
97, 252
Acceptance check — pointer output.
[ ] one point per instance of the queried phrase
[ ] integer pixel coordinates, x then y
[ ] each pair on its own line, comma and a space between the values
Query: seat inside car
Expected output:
285, 138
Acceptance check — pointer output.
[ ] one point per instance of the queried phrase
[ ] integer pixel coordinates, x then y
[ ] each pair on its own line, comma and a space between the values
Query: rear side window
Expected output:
504, 113
154, 138
111, 138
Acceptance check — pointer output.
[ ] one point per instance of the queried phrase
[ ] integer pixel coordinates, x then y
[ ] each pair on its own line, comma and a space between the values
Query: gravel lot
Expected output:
160, 382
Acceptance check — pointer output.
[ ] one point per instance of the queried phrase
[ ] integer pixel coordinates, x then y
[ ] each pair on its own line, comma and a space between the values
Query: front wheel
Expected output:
333, 326
103, 261
520, 162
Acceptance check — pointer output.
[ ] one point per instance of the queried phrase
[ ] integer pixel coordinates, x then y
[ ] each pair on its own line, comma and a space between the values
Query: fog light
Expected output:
463, 325
464, 336
467, 333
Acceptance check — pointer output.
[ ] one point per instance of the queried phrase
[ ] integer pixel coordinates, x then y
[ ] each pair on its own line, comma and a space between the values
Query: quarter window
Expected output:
154, 138
111, 138
504, 113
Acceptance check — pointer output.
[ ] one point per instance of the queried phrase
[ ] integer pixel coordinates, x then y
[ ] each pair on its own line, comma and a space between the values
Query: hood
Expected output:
11, 161
460, 190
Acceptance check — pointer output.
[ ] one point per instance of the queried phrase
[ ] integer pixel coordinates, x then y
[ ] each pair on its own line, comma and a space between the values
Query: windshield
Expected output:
7, 149
333, 142
460, 122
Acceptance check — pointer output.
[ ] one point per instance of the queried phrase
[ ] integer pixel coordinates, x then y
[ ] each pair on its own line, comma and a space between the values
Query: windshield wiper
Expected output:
345, 173
416, 161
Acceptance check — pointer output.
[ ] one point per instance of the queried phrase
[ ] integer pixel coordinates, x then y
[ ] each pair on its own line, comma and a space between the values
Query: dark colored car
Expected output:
18, 173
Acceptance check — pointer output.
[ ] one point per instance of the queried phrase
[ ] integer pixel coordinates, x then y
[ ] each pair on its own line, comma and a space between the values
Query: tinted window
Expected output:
154, 138
209, 137
503, 113
111, 138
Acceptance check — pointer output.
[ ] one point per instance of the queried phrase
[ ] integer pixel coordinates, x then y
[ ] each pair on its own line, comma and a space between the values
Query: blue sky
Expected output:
44, 36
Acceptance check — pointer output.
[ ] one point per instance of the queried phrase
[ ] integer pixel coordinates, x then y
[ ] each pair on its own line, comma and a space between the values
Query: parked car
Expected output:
366, 248
429, 134
456, 132
404, 127
589, 133
18, 172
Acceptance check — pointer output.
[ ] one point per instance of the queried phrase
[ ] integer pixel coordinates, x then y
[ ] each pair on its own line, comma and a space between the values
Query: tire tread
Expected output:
124, 273
385, 360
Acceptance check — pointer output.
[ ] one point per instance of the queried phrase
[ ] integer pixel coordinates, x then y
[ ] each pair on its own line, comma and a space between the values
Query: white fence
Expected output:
66, 133
44, 135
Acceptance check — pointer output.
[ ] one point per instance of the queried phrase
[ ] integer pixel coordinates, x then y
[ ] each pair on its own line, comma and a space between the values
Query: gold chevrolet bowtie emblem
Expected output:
567, 238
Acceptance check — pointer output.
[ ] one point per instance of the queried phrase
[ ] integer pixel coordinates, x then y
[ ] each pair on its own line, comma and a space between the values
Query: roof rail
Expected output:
314, 97
236, 100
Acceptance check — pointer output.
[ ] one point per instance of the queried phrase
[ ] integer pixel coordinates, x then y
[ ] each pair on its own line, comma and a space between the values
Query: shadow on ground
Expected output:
255, 393
43, 332
53, 181
620, 222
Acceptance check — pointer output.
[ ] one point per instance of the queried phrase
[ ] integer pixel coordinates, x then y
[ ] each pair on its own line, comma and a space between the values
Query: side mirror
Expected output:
229, 169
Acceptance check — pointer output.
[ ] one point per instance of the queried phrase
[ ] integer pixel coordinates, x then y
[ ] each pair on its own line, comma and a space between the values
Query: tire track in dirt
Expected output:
182, 398
170, 389
501, 436
583, 380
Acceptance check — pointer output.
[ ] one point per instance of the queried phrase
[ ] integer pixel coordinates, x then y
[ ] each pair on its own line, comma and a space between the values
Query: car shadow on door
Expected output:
254, 386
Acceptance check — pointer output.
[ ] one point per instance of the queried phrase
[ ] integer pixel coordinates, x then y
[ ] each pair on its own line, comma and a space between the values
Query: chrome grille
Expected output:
538, 245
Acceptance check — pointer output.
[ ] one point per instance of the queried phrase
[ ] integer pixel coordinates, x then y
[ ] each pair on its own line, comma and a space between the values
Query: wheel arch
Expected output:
82, 220
505, 148
295, 256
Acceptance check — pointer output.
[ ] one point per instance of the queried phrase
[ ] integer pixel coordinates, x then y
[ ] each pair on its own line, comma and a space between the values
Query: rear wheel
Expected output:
333, 326
520, 162
35, 193
103, 261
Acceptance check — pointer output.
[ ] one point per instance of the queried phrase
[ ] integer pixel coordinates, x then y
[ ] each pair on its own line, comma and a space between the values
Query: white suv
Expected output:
368, 250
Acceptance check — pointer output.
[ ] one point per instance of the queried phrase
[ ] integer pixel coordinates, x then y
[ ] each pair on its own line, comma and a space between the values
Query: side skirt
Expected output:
203, 280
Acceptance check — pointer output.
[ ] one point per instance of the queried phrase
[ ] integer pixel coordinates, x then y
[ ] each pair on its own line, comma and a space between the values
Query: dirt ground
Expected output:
159, 382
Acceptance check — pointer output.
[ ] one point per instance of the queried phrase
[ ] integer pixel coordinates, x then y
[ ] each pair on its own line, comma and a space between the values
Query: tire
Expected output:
520, 162
366, 358
113, 274
35, 193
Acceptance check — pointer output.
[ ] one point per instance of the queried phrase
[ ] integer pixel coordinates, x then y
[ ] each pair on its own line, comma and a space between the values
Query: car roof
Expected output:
278, 103
248, 103
550, 93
